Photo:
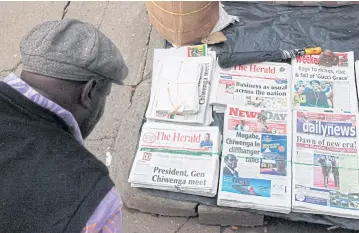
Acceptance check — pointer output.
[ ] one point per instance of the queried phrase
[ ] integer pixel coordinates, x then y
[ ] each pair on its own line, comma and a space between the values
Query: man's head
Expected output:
300, 86
243, 122
73, 64
231, 161
305, 115
315, 85
207, 137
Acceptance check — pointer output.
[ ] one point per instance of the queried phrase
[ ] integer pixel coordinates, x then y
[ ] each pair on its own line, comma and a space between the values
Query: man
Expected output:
302, 121
326, 167
262, 120
300, 93
49, 181
242, 127
316, 97
230, 162
335, 171
207, 143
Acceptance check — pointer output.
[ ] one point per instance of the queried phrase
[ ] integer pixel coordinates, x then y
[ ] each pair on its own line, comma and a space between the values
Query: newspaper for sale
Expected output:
202, 56
329, 86
325, 164
180, 159
256, 159
261, 85
178, 87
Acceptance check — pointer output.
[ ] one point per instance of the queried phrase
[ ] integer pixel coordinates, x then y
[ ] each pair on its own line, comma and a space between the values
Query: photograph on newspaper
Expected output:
262, 85
325, 171
313, 93
325, 162
324, 81
256, 158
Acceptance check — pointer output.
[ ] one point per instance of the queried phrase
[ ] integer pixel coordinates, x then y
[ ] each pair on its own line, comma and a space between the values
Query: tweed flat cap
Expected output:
71, 50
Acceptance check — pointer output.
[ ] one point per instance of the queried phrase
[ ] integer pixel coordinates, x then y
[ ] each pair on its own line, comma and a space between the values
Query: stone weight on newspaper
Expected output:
213, 215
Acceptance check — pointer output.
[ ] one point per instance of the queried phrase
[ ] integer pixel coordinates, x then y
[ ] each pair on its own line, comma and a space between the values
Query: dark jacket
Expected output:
228, 172
49, 182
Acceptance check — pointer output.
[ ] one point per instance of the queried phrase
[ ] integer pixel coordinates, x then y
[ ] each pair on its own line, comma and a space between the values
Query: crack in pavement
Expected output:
103, 15
180, 227
12, 69
99, 139
134, 87
66, 7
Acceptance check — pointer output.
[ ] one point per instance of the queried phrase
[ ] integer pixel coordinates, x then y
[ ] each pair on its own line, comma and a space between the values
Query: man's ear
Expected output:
87, 93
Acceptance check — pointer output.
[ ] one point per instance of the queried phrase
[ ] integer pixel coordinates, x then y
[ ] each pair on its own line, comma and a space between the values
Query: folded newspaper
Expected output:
263, 85
180, 159
256, 159
178, 87
325, 164
195, 54
329, 86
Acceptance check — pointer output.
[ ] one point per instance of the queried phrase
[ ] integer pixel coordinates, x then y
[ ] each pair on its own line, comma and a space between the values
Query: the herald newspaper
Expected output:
329, 84
325, 163
207, 60
263, 85
182, 159
256, 159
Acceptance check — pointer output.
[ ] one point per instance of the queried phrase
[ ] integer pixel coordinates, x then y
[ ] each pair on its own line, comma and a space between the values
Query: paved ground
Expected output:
127, 25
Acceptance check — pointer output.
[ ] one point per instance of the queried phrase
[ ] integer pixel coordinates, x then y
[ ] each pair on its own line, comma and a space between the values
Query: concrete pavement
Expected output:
127, 25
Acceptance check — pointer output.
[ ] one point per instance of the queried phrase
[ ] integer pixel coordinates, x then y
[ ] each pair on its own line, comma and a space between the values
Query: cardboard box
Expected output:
183, 23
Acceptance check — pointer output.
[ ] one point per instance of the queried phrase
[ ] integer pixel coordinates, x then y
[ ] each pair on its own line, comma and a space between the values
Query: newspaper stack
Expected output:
180, 159
328, 86
157, 109
325, 164
261, 85
178, 87
256, 159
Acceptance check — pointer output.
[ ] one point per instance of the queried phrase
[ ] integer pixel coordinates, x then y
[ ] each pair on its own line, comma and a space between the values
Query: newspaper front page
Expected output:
207, 60
262, 85
325, 164
182, 159
329, 87
256, 159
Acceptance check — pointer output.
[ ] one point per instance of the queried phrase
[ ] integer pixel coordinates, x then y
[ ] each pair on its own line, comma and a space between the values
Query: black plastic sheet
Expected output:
267, 27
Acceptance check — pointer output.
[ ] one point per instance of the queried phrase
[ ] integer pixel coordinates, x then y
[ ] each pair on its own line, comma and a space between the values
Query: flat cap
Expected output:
71, 50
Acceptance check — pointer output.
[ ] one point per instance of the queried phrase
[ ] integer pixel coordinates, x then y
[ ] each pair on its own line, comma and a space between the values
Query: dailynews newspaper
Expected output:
325, 163
256, 159
329, 86
262, 85
182, 159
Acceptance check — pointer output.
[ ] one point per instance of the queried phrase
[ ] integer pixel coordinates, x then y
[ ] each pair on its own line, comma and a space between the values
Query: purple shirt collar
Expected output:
27, 91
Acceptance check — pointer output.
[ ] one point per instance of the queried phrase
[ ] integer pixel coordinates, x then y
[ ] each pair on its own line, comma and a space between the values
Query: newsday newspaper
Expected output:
256, 159
262, 85
325, 164
329, 86
180, 159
